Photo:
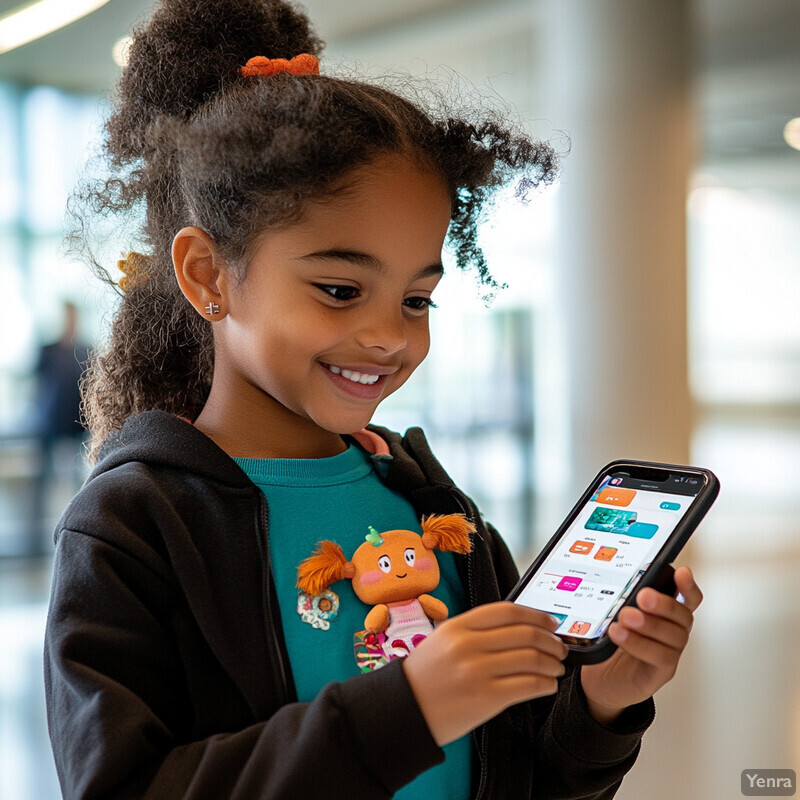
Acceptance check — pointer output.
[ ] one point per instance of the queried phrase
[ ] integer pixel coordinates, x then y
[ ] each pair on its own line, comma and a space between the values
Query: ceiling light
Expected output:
792, 133
35, 20
121, 50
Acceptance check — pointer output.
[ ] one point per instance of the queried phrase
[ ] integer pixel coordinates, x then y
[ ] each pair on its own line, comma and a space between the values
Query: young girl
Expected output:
294, 224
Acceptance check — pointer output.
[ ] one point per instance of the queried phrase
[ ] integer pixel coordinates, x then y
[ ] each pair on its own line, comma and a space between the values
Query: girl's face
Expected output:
333, 314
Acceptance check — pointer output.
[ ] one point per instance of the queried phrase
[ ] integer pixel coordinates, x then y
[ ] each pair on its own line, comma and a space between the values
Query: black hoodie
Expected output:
165, 666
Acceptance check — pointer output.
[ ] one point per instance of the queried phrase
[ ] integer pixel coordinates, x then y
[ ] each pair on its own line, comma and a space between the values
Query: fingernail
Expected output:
647, 600
635, 620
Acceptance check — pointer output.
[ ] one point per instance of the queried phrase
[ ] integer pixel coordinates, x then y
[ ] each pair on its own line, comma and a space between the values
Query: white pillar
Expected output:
617, 78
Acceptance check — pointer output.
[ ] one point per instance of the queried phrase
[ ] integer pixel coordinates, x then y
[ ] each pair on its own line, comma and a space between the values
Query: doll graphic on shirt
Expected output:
393, 572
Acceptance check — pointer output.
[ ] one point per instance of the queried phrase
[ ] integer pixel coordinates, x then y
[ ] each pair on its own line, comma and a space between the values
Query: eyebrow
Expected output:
366, 260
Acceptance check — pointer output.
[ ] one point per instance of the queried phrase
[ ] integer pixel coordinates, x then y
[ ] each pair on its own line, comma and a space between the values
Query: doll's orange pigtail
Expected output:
449, 532
326, 566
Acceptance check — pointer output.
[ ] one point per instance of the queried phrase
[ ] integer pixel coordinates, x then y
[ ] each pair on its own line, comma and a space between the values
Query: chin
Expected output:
345, 425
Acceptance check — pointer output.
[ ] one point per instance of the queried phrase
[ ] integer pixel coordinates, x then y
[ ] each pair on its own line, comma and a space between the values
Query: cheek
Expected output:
369, 586
426, 574
420, 341
370, 577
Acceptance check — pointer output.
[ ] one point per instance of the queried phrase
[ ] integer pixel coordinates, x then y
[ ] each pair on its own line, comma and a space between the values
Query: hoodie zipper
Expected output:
262, 534
483, 746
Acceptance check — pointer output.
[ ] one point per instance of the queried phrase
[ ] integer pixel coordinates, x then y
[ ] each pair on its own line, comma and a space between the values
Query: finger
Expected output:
659, 629
493, 615
523, 661
661, 605
685, 582
519, 688
652, 652
529, 636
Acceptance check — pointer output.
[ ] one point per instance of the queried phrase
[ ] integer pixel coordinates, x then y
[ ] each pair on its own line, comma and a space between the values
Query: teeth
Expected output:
356, 377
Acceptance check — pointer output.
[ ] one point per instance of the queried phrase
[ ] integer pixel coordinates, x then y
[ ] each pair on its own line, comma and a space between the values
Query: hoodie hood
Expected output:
160, 439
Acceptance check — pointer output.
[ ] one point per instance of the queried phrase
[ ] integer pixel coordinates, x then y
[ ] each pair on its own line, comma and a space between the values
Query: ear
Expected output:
447, 532
198, 268
326, 566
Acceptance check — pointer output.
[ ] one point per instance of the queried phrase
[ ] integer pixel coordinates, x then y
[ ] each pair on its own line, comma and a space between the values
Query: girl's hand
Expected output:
650, 641
477, 664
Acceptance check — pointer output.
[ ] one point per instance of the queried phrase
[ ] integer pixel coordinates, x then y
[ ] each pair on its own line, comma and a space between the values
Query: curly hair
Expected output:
192, 142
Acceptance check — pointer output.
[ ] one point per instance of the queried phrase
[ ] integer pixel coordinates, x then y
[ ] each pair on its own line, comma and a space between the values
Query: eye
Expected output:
385, 563
410, 556
419, 303
341, 293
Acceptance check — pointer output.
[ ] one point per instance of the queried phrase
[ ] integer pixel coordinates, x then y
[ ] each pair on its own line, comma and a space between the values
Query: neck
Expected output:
396, 603
255, 425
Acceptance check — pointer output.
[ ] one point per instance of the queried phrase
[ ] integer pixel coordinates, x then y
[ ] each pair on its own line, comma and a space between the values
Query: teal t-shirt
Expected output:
339, 498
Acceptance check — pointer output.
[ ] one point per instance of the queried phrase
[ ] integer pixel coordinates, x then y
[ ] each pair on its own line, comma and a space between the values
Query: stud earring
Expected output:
212, 308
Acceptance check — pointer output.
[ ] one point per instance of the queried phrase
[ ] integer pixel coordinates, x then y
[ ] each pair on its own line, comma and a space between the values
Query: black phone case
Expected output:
658, 575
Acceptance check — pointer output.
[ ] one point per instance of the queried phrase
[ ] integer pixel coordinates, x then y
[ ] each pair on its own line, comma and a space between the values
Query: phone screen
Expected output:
599, 559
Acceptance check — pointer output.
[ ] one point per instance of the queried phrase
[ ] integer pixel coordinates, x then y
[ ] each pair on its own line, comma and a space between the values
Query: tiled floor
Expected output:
26, 765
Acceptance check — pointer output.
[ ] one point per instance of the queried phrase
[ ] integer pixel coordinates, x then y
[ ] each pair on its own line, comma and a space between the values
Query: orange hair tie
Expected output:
304, 64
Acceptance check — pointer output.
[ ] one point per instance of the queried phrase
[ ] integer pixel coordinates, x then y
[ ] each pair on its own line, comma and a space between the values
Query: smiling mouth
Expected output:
401, 576
356, 377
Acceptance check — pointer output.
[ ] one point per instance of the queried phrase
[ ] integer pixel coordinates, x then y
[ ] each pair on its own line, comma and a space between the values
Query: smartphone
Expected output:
622, 535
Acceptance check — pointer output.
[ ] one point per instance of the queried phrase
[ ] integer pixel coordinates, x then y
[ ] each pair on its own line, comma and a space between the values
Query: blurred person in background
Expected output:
57, 416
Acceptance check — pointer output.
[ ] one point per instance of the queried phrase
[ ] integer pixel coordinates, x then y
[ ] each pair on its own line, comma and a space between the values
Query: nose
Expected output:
383, 329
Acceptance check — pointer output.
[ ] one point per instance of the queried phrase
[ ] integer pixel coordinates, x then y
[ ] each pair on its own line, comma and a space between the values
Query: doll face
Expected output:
400, 569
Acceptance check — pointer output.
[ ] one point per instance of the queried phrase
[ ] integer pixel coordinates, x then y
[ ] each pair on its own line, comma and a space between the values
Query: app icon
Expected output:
670, 506
605, 553
581, 548
580, 628
568, 584
616, 496
642, 530
615, 481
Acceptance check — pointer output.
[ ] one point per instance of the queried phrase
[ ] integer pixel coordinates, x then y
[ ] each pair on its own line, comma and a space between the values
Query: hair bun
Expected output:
188, 51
